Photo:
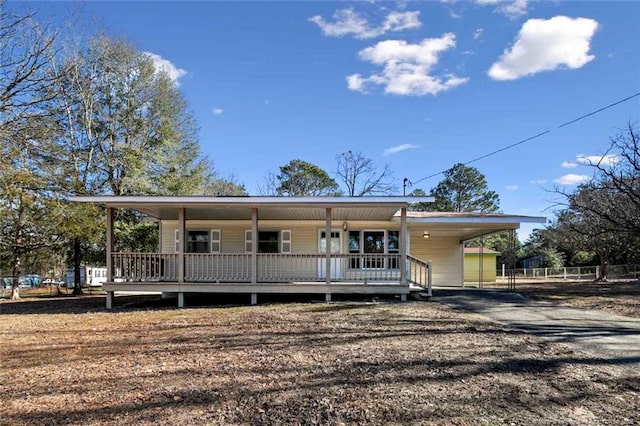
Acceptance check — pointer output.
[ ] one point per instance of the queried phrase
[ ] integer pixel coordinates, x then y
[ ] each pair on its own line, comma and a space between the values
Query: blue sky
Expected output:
416, 85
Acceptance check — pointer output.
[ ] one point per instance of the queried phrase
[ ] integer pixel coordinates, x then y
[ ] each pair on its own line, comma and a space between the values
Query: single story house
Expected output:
257, 245
480, 264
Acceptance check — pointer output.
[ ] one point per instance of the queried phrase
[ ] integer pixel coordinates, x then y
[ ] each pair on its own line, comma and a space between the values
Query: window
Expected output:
354, 248
269, 241
374, 244
197, 242
393, 247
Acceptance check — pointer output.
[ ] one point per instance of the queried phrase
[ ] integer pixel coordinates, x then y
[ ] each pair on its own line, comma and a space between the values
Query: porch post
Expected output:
109, 255
181, 241
403, 246
327, 239
254, 245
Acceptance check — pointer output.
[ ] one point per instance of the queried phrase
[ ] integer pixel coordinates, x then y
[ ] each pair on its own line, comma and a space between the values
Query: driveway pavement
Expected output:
613, 338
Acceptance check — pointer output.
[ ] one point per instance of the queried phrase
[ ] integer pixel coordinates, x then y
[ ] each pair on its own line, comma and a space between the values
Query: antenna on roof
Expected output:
405, 181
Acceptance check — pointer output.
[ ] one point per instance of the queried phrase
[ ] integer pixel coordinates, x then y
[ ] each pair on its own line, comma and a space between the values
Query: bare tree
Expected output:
360, 176
603, 215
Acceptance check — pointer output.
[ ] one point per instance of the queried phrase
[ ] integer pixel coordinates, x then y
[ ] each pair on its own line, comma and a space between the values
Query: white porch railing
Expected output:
419, 273
217, 267
145, 266
236, 267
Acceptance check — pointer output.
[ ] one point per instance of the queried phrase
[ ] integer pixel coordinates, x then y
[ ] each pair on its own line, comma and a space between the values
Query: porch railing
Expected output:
145, 266
419, 273
217, 267
236, 267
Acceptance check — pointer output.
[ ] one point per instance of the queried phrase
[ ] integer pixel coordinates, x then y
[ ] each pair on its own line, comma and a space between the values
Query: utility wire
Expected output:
531, 137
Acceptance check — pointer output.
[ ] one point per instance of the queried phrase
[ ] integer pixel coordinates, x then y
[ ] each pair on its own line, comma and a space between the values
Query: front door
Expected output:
373, 248
336, 248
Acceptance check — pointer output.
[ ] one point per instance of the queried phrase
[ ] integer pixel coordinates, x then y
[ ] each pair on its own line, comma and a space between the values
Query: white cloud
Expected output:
603, 160
513, 9
167, 66
478, 33
569, 165
512, 187
407, 67
398, 148
546, 45
217, 111
349, 22
538, 181
572, 179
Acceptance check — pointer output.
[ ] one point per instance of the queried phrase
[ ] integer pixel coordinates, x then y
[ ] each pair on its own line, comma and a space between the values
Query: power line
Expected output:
532, 137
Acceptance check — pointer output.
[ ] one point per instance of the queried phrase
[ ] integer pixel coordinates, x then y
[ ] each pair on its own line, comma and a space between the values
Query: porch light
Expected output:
344, 226
426, 235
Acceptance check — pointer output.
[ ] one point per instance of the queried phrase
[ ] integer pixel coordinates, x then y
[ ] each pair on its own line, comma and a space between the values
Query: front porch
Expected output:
275, 273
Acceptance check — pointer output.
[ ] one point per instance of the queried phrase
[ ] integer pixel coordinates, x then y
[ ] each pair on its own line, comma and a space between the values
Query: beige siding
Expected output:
445, 255
304, 235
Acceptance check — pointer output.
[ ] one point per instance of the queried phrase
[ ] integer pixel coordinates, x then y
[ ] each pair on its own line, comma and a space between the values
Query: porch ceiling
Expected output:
269, 208
269, 213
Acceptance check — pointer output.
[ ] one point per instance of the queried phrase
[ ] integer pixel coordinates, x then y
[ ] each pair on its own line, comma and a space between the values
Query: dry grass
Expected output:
66, 361
619, 297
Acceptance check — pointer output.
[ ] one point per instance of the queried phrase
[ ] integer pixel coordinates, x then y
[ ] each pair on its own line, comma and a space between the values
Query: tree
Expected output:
539, 244
25, 51
419, 207
123, 128
462, 189
302, 179
614, 194
603, 215
360, 177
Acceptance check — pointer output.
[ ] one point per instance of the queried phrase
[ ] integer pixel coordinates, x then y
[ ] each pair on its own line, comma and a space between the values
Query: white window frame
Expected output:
176, 241
282, 242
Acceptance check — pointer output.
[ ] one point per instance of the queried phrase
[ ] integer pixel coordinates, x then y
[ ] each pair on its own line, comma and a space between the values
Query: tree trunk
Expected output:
604, 263
77, 277
15, 284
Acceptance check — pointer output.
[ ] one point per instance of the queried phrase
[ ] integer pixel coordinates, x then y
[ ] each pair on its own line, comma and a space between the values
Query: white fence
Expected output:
572, 273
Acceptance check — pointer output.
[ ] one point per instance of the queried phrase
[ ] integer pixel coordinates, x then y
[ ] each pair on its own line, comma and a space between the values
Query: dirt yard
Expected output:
67, 361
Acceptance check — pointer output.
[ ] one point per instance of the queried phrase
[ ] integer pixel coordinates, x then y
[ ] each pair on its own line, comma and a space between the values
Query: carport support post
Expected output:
180, 299
109, 249
254, 298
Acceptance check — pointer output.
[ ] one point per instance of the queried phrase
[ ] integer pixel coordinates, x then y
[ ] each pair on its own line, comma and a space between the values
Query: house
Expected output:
480, 264
257, 245
532, 261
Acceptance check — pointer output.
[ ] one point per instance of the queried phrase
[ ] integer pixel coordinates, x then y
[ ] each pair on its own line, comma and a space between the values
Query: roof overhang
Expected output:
466, 225
269, 208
